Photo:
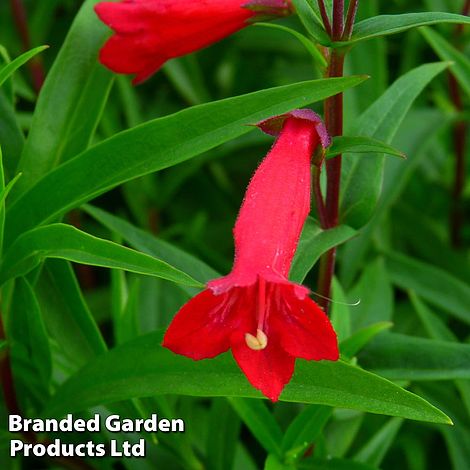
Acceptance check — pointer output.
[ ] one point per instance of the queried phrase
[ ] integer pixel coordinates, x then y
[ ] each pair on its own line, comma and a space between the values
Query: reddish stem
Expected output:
324, 17
465, 11
350, 19
21, 22
334, 124
338, 19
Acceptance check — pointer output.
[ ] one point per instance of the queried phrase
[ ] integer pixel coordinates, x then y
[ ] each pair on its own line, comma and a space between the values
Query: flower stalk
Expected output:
341, 31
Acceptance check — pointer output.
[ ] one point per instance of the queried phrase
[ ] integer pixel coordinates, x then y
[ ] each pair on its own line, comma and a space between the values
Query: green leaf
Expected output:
434, 326
374, 451
446, 51
311, 21
432, 284
414, 134
437, 329
374, 292
273, 462
67, 242
221, 445
11, 136
400, 357
261, 423
5, 190
122, 374
317, 56
361, 145
156, 145
352, 345
29, 343
69, 101
362, 178
66, 314
340, 314
334, 464
9, 69
147, 243
315, 241
384, 25
304, 430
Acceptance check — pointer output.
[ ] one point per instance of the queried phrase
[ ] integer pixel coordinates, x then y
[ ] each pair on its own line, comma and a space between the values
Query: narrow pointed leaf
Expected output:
66, 242
311, 21
384, 25
362, 178
446, 51
9, 69
433, 284
158, 144
260, 421
307, 43
361, 145
401, 357
315, 241
352, 345
59, 114
122, 374
148, 243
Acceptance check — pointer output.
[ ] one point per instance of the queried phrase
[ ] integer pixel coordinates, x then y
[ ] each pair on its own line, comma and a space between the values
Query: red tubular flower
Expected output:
150, 32
265, 319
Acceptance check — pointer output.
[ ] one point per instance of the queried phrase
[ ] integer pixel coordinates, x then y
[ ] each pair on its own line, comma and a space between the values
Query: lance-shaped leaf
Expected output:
143, 368
9, 69
67, 242
401, 357
446, 51
385, 25
158, 144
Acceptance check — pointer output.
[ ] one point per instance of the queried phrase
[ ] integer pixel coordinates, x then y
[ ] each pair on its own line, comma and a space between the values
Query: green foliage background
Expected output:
148, 181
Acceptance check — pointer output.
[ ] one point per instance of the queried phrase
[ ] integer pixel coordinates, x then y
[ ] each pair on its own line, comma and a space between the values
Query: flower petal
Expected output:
269, 369
201, 329
150, 32
305, 330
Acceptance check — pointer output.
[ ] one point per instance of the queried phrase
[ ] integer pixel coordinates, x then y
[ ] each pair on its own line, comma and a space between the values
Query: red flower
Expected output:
256, 311
150, 32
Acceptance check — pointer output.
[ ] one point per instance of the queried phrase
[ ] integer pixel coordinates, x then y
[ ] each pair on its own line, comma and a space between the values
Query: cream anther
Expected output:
258, 342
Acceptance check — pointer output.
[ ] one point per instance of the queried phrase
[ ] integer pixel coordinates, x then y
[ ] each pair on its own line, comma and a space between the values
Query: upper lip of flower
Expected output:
266, 320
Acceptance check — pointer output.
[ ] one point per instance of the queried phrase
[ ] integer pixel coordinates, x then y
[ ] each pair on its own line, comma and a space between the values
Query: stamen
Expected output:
258, 342
261, 303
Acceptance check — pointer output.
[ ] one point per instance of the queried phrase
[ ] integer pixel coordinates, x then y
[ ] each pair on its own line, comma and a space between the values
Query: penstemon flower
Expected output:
150, 32
266, 320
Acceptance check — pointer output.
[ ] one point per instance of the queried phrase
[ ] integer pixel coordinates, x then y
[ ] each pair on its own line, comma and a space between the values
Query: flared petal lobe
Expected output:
268, 370
150, 32
199, 330
305, 330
